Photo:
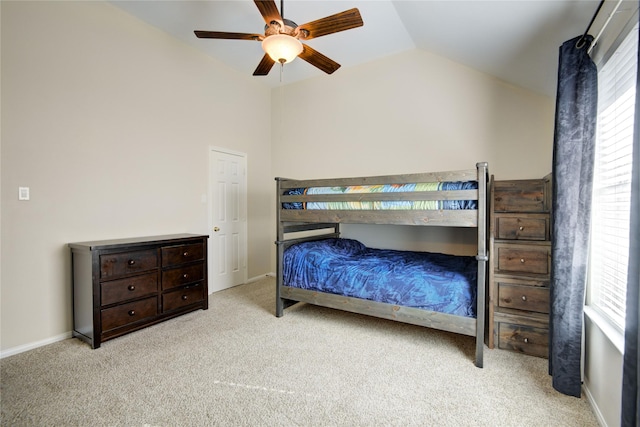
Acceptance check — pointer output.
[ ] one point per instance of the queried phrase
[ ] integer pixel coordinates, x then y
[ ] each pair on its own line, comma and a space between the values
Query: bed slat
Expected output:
445, 218
462, 175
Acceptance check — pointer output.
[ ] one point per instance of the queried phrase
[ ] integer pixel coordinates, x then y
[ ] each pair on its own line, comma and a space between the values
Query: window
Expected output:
612, 181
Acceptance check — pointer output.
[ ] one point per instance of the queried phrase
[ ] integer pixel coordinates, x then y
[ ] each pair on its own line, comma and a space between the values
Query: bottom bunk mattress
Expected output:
430, 281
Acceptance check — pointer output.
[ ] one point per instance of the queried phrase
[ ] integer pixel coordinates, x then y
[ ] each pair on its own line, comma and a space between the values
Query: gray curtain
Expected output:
630, 396
573, 157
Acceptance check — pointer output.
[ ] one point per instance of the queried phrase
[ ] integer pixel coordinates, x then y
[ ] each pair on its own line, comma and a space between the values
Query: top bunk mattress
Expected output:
355, 203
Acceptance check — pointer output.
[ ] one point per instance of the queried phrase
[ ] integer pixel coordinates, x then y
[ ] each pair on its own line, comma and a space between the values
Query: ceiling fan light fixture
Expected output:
282, 48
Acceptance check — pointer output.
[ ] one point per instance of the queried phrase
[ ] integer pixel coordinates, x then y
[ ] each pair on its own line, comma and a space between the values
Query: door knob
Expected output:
216, 229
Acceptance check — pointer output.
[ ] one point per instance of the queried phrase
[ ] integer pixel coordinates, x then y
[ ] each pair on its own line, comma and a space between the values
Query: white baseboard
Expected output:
250, 280
31, 346
594, 405
262, 276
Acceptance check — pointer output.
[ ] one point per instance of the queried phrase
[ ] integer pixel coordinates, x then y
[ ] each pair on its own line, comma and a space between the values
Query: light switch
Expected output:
23, 193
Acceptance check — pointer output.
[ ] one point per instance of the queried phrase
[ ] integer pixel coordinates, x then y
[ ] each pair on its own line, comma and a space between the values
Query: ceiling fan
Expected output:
282, 38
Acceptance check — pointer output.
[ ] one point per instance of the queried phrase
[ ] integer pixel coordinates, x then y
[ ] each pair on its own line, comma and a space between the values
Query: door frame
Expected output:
243, 212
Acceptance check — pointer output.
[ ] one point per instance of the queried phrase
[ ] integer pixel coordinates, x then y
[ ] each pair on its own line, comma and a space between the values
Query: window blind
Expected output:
612, 180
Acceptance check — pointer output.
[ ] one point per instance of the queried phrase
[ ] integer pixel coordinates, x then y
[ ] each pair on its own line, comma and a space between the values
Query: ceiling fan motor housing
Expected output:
275, 27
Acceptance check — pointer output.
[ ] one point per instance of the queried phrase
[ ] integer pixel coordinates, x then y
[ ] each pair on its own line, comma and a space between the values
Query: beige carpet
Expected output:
237, 364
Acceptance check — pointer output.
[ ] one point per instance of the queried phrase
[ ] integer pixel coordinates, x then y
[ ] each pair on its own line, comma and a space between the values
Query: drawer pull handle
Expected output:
521, 228
184, 297
521, 260
185, 254
132, 261
526, 340
131, 288
524, 297
185, 276
132, 313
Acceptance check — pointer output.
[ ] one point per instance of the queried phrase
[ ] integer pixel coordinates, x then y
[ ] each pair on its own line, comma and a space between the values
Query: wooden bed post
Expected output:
482, 258
279, 251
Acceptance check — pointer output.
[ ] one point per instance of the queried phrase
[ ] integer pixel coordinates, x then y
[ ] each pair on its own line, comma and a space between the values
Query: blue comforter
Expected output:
432, 281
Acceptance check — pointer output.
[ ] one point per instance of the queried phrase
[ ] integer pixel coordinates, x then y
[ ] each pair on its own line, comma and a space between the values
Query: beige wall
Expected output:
412, 112
109, 122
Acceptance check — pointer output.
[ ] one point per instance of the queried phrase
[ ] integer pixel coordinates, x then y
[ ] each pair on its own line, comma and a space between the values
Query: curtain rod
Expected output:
580, 43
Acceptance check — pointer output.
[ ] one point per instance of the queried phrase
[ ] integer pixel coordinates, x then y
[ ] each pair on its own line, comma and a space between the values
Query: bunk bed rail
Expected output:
420, 215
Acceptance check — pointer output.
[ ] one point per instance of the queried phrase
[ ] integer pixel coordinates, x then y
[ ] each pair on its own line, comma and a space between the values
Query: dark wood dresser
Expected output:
520, 264
123, 285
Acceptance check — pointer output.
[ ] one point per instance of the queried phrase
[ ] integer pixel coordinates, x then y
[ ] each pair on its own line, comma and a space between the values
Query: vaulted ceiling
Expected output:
514, 40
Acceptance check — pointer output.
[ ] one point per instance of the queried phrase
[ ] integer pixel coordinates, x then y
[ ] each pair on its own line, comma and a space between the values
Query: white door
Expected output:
228, 219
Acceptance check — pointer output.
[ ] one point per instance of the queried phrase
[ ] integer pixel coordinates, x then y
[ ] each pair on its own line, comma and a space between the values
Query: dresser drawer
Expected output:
181, 276
125, 314
530, 298
521, 228
529, 259
125, 289
519, 196
523, 339
183, 297
125, 263
174, 255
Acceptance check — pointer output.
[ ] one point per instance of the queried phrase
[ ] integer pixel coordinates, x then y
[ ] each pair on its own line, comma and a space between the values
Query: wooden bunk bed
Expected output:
304, 217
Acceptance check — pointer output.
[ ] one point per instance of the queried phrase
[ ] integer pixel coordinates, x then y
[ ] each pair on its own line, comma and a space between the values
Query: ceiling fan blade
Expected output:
268, 10
264, 66
331, 24
318, 60
226, 35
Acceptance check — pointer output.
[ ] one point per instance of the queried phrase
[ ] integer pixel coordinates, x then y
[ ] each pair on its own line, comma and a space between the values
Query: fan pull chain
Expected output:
281, 96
